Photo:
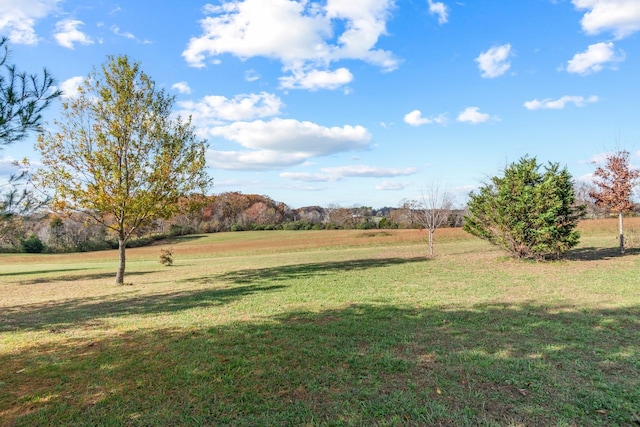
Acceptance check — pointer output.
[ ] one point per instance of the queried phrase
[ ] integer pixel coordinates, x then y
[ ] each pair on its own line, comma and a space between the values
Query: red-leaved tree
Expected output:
615, 181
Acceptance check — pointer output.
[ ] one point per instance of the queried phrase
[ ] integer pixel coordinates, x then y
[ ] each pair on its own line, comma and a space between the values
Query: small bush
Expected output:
181, 230
32, 245
166, 257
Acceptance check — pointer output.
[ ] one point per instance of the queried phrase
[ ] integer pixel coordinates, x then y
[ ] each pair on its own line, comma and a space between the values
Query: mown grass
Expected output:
323, 328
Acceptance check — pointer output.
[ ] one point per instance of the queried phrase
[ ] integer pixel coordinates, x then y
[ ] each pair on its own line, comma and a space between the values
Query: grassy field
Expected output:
323, 328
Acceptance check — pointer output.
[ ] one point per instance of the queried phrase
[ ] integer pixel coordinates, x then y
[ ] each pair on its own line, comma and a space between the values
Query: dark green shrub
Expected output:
531, 214
32, 245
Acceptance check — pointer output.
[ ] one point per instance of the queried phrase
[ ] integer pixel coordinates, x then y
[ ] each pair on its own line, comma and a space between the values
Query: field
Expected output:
323, 328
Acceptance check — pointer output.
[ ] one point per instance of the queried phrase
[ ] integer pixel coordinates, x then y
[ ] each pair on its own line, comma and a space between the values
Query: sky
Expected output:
360, 102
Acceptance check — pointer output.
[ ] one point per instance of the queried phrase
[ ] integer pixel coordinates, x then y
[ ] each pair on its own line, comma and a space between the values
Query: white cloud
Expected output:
594, 58
317, 79
70, 87
559, 104
338, 173
392, 186
253, 160
473, 115
18, 18
182, 87
440, 9
280, 143
215, 110
116, 30
367, 171
306, 46
7, 166
621, 17
67, 33
415, 118
251, 75
293, 136
307, 177
494, 62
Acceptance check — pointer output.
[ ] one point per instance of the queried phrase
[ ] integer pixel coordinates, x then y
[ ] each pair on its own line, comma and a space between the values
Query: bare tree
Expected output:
615, 181
432, 210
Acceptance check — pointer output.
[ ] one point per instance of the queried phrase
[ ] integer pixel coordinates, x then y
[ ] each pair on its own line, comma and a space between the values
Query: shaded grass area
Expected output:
59, 316
491, 364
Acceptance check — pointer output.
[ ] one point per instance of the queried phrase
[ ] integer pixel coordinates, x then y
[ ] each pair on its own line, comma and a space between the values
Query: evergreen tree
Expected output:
531, 214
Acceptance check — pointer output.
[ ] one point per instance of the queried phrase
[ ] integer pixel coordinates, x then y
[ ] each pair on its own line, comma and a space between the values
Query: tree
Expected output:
432, 210
23, 97
615, 182
119, 156
529, 213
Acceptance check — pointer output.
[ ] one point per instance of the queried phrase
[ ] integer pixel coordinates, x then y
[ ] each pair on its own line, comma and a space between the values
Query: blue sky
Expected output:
361, 102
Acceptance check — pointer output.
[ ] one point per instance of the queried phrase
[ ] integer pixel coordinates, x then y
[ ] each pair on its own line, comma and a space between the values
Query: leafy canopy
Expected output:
119, 155
615, 181
528, 212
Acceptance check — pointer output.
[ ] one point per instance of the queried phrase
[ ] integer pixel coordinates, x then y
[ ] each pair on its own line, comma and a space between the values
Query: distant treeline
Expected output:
231, 211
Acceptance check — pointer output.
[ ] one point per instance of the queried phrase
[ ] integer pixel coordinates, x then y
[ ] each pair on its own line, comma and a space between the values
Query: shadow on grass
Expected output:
179, 239
29, 273
595, 254
59, 316
298, 271
77, 277
492, 365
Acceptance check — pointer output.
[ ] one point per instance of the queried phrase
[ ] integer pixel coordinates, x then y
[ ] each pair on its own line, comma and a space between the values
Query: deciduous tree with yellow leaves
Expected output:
119, 155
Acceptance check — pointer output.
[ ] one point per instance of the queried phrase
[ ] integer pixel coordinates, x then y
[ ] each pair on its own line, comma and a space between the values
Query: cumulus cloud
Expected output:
306, 44
559, 104
621, 17
593, 59
317, 79
253, 160
289, 135
214, 110
182, 87
284, 142
473, 115
18, 18
415, 118
67, 33
495, 61
439, 9
70, 87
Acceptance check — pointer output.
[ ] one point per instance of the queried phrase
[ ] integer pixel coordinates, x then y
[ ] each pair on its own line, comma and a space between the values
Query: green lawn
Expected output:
322, 328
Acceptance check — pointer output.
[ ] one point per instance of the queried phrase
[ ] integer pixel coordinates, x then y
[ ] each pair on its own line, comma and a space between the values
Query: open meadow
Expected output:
324, 328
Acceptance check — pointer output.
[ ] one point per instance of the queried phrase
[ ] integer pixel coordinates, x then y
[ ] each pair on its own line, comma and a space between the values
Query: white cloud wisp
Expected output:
559, 104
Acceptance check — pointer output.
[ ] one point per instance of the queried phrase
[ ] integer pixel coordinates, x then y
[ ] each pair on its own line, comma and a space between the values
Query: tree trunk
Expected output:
122, 243
621, 233
431, 233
